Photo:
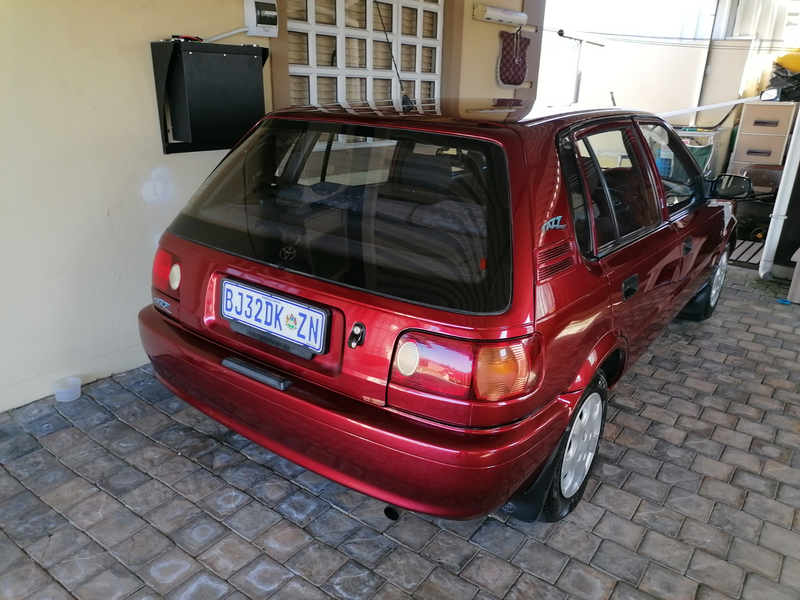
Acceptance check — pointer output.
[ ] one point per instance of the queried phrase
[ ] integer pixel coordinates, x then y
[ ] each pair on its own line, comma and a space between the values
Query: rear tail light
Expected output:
465, 370
167, 273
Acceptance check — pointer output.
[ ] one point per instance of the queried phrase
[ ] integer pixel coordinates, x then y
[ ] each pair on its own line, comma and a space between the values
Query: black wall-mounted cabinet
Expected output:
209, 95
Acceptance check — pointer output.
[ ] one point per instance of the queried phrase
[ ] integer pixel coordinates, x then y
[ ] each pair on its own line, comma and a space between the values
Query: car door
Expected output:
636, 247
680, 185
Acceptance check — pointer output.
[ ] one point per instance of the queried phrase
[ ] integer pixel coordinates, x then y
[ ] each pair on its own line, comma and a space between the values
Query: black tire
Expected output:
556, 504
703, 305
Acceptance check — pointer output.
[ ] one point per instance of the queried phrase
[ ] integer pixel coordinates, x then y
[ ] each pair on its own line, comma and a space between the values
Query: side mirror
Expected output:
731, 187
770, 95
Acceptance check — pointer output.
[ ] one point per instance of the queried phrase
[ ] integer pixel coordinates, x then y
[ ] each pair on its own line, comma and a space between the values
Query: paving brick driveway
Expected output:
130, 493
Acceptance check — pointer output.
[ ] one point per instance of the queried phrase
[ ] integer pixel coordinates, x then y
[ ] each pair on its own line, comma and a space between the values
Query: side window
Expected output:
623, 201
580, 209
679, 176
604, 224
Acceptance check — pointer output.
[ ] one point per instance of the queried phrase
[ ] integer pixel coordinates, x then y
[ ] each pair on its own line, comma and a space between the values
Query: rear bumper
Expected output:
401, 460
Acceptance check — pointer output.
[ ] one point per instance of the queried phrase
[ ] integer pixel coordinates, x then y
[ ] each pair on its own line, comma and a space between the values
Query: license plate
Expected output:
276, 315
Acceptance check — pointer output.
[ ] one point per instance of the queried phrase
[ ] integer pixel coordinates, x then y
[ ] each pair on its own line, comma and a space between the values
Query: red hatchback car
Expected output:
428, 308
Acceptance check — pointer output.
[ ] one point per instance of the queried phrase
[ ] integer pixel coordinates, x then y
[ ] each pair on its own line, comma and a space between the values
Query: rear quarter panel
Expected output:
573, 310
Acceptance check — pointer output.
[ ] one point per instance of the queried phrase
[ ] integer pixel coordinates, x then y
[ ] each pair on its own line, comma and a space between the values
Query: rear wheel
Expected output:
578, 452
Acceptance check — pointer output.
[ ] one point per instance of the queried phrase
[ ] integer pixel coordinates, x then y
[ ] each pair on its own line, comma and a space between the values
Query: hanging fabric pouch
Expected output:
512, 67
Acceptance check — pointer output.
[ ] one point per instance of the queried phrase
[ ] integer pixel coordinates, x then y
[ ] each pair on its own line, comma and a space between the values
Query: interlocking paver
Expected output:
116, 527
703, 536
500, 539
199, 534
172, 515
82, 565
112, 584
23, 579
147, 496
228, 555
169, 570
585, 582
696, 493
755, 558
353, 582
333, 527
283, 540
665, 550
737, 522
316, 562
203, 585
69, 494
574, 541
658, 518
142, 547
197, 485
666, 584
404, 568
60, 544
757, 587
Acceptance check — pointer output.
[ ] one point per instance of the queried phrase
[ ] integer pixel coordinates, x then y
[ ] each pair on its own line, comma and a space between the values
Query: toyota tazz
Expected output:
429, 308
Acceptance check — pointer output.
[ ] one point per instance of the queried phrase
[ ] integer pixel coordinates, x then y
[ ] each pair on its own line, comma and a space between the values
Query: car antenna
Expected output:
408, 105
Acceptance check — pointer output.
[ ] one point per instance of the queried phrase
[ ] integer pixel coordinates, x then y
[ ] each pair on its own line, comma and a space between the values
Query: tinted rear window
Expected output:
416, 216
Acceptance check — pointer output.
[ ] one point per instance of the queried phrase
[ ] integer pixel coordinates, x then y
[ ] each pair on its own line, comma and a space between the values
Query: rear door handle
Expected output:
629, 287
687, 245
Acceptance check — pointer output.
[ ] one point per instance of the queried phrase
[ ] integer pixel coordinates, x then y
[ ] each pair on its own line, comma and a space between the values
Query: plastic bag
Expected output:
787, 81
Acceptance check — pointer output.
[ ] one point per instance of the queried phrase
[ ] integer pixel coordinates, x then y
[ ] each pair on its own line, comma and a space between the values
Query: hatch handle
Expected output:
253, 372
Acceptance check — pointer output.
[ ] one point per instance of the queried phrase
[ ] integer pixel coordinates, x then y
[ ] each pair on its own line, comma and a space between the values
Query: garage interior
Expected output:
128, 492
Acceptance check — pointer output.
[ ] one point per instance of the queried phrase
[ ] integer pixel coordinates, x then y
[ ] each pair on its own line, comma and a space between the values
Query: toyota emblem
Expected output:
288, 252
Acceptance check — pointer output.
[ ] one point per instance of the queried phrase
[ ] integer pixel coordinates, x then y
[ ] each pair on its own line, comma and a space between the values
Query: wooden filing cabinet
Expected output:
764, 130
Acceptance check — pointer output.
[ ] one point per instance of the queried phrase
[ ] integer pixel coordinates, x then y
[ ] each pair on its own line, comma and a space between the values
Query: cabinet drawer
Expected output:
769, 118
761, 149
737, 167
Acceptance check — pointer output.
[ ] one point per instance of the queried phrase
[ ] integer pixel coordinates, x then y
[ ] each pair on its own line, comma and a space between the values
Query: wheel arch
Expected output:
609, 354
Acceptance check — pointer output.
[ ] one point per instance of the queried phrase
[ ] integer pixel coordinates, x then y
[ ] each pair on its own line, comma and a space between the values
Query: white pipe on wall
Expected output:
778, 215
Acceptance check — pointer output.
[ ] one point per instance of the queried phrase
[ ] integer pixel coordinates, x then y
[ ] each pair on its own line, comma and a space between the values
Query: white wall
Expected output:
80, 144
647, 76
649, 59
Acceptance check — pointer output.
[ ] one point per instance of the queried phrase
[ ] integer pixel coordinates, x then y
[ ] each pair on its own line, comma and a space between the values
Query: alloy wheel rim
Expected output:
719, 278
581, 445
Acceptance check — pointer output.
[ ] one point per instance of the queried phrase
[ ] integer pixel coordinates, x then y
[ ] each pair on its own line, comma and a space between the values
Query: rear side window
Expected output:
416, 216
623, 202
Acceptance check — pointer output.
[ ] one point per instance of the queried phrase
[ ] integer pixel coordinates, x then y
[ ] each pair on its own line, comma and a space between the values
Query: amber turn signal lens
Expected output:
501, 371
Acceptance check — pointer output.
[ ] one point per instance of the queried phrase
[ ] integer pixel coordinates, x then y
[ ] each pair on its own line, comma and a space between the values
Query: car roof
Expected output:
474, 111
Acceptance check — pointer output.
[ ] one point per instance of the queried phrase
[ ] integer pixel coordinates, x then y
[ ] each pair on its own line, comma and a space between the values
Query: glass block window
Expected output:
356, 53
299, 90
429, 24
296, 10
326, 51
356, 89
325, 11
408, 58
355, 14
382, 89
428, 59
382, 16
381, 56
409, 21
326, 90
341, 50
298, 48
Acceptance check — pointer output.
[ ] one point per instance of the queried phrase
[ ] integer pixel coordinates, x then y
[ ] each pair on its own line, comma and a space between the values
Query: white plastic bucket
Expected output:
67, 389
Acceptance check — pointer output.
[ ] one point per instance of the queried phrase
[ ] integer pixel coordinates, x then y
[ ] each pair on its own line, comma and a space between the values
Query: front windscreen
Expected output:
416, 216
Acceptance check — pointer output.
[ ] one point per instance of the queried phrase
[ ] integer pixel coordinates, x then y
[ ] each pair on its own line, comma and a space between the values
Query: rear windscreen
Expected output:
416, 216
